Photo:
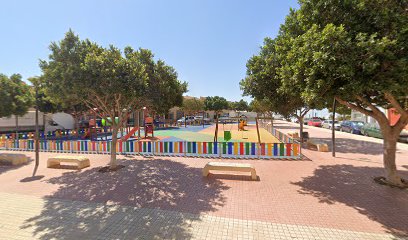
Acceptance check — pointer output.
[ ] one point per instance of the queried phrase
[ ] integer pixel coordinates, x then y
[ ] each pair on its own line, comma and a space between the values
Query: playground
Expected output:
206, 133
229, 132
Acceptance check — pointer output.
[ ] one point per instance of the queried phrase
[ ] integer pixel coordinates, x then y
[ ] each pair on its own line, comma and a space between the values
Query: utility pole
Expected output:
37, 133
333, 130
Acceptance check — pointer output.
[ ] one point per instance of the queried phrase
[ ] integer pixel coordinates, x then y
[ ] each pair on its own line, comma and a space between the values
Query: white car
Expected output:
328, 124
200, 119
187, 119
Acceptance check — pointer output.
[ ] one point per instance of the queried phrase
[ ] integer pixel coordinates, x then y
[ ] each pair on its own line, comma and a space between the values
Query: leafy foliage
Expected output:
192, 105
15, 95
108, 81
216, 103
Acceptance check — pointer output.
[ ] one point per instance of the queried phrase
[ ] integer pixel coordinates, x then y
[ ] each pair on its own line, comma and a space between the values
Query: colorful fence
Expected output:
190, 149
278, 134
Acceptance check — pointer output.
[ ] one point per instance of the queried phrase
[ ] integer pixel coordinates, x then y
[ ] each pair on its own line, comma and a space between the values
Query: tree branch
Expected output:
374, 109
355, 107
396, 104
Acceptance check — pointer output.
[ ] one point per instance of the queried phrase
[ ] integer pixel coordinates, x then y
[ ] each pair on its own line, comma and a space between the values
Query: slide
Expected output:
86, 135
131, 133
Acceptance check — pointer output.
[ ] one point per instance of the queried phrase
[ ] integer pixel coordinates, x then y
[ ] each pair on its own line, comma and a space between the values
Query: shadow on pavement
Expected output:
347, 145
354, 186
145, 186
6, 168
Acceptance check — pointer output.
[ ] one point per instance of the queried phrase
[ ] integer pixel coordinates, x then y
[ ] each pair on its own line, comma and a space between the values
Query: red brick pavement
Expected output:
335, 193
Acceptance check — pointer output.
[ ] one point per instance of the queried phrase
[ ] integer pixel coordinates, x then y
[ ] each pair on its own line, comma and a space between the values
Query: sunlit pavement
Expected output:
167, 198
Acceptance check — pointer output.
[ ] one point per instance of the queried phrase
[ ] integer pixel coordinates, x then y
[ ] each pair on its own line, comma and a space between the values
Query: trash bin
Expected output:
305, 136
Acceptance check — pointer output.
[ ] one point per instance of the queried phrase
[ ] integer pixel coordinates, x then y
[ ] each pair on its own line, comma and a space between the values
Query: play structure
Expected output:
148, 127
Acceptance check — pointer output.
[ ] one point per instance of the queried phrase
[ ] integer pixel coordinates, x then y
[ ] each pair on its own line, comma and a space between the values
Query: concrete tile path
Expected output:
23, 217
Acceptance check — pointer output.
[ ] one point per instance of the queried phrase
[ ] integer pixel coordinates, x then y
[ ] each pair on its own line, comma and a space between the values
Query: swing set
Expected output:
241, 127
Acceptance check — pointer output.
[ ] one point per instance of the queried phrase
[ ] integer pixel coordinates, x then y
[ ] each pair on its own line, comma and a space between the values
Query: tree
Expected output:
107, 81
216, 104
268, 78
16, 97
241, 105
355, 52
192, 106
61, 73
164, 89
45, 103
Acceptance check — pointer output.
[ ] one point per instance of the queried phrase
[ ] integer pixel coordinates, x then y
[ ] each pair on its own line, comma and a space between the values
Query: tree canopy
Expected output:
352, 51
192, 105
240, 105
216, 103
108, 81
15, 95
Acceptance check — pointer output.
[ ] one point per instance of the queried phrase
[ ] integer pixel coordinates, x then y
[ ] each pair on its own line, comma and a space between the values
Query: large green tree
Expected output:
15, 95
268, 79
164, 89
108, 81
355, 52
240, 105
216, 104
61, 72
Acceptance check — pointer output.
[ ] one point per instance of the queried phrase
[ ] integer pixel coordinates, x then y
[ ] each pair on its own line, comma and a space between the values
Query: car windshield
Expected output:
357, 123
316, 120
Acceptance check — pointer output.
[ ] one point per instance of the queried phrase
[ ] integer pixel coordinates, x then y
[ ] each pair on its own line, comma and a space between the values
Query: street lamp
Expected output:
37, 133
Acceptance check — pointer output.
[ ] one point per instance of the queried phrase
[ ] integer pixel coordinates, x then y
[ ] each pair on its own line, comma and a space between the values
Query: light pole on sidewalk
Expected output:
333, 130
37, 133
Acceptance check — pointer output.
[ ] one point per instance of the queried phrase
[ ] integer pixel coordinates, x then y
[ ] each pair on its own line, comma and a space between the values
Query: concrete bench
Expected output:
13, 158
234, 167
81, 161
321, 146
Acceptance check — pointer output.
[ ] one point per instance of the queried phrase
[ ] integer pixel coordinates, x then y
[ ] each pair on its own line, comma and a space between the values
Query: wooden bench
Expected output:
13, 158
81, 161
321, 146
234, 167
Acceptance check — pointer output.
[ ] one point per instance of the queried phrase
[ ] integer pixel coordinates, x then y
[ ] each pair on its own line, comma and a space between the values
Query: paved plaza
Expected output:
318, 197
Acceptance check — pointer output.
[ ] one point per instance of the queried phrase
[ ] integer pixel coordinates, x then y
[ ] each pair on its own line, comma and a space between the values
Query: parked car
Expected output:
186, 119
328, 124
373, 130
315, 122
351, 126
200, 119
306, 121
225, 119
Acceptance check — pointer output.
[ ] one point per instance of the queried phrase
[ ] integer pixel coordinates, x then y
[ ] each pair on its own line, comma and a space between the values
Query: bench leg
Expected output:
253, 174
205, 172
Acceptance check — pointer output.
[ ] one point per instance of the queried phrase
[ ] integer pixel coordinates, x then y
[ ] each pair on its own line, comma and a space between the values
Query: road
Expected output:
348, 146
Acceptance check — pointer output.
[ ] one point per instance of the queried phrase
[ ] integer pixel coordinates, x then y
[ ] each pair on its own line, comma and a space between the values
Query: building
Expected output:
46, 121
391, 114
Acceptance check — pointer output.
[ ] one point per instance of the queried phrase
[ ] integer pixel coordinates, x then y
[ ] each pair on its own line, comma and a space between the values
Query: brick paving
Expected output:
24, 217
320, 198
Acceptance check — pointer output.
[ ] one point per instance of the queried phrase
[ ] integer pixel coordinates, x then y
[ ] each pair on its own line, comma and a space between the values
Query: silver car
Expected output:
328, 124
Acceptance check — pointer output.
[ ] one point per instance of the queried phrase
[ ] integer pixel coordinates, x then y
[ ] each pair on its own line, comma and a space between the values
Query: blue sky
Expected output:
207, 42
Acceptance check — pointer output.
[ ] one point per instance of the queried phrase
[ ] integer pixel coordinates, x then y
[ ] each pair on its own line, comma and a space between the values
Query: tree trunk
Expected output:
76, 125
300, 119
216, 128
113, 162
16, 127
390, 148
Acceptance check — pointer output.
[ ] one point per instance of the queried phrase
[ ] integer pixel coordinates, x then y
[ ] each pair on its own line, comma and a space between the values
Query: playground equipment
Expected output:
149, 127
241, 125
227, 134
129, 134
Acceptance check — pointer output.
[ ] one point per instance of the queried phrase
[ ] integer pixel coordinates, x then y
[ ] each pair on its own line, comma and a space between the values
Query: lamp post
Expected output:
37, 133
333, 130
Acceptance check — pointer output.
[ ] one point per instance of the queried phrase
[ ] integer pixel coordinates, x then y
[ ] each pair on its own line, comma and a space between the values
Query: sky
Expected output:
208, 42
